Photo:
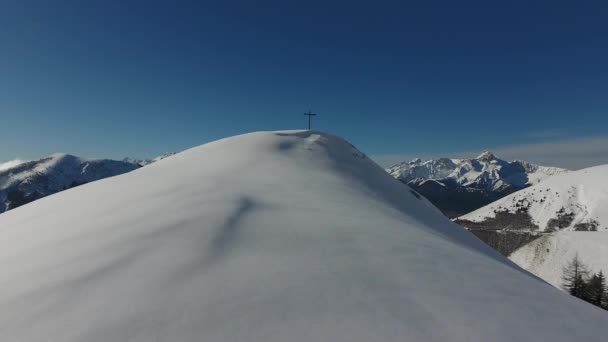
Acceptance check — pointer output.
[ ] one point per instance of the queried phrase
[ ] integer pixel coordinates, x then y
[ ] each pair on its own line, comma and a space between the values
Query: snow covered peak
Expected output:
144, 162
463, 185
269, 236
419, 169
485, 156
486, 172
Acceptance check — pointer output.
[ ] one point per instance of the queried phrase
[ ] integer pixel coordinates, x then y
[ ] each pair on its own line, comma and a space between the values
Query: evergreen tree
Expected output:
575, 277
580, 287
604, 300
600, 298
595, 289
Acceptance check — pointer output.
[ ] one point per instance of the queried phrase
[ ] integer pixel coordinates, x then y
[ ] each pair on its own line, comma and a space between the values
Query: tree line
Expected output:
579, 282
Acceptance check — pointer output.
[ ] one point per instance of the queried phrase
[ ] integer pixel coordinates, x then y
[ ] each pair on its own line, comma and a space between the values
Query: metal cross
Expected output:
309, 116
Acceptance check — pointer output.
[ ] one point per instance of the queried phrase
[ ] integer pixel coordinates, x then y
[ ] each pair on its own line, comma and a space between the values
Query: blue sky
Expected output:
398, 79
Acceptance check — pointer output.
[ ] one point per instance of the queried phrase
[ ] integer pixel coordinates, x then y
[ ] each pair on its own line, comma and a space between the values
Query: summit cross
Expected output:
310, 115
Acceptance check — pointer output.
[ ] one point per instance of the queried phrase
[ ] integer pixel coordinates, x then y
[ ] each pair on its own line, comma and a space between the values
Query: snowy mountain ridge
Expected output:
459, 186
144, 162
550, 223
575, 201
315, 242
32, 180
486, 171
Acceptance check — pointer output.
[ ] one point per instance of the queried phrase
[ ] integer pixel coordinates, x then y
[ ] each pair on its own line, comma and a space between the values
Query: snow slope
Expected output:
572, 201
32, 180
270, 236
547, 256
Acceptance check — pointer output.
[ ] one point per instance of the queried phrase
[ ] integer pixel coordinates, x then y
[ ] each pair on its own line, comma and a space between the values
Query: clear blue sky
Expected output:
138, 78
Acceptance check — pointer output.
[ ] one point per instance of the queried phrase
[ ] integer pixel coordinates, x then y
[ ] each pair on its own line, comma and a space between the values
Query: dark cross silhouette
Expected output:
309, 116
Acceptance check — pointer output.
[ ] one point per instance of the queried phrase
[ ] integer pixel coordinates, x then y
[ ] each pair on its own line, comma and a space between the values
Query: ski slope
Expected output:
270, 236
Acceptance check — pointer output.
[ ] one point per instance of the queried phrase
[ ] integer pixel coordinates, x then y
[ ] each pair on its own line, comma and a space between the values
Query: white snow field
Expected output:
270, 236
580, 195
548, 255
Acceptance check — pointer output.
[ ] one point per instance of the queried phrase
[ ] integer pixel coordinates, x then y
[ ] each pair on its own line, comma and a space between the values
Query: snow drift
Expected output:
272, 236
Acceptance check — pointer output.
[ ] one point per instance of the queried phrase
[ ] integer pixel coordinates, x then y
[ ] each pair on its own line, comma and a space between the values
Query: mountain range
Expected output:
459, 186
314, 242
543, 227
33, 180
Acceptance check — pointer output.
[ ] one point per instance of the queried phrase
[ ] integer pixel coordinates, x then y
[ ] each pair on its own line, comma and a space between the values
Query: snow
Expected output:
547, 256
269, 236
10, 164
53, 174
144, 162
582, 194
486, 171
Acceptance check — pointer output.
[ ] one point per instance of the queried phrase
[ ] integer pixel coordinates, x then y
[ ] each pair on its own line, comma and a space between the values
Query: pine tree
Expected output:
580, 287
604, 300
594, 291
575, 277
600, 299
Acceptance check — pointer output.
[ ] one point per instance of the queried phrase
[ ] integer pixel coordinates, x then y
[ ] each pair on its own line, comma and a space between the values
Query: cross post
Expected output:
309, 114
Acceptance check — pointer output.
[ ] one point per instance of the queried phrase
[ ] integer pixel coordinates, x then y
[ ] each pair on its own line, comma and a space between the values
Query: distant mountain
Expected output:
543, 227
29, 181
32, 180
459, 186
144, 162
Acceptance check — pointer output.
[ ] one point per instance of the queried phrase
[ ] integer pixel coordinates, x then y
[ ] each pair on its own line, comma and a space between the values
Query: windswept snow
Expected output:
271, 236
10, 164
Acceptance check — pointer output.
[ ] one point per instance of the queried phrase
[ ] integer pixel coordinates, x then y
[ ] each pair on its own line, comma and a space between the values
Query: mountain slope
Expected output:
573, 201
543, 227
458, 186
33, 180
547, 256
310, 241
